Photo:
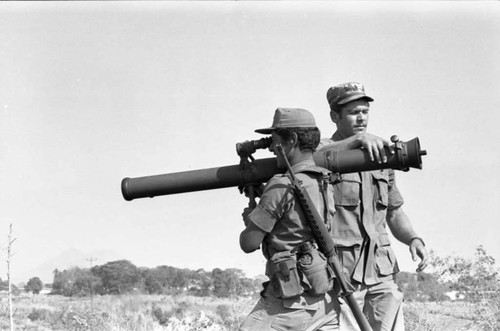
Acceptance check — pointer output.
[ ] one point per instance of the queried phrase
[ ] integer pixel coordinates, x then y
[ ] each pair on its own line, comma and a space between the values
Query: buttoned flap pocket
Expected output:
381, 181
346, 190
284, 271
385, 259
348, 256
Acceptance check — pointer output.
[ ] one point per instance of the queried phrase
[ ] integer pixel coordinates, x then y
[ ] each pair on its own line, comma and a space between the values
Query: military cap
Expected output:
290, 118
343, 93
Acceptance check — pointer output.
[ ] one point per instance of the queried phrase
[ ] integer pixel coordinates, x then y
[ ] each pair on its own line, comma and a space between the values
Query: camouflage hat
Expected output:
343, 93
290, 118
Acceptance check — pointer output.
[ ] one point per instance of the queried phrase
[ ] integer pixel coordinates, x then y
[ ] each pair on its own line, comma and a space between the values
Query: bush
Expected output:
161, 315
228, 316
486, 314
39, 314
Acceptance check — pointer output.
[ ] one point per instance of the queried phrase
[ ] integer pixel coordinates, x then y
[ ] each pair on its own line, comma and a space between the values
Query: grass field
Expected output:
183, 313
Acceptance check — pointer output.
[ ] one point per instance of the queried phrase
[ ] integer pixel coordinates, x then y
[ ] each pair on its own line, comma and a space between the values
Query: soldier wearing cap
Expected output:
365, 204
291, 299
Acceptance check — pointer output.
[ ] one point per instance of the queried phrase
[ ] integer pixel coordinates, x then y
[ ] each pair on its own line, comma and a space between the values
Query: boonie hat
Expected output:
290, 118
344, 93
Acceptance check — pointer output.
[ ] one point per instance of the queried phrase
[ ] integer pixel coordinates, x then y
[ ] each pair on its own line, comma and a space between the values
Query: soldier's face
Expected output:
353, 118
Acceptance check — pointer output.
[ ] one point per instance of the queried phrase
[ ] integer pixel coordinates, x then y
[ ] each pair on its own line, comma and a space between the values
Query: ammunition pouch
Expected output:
282, 270
305, 269
317, 275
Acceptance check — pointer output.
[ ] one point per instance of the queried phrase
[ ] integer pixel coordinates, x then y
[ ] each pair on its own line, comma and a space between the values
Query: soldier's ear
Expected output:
334, 116
294, 139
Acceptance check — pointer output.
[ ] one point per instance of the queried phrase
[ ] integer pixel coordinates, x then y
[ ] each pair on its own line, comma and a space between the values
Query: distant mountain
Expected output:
65, 260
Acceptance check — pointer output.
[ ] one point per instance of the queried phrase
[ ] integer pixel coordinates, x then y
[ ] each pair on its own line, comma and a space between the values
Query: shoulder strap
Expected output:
323, 176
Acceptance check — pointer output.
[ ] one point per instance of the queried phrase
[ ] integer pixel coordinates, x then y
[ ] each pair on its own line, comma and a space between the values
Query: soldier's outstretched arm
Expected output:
375, 145
401, 228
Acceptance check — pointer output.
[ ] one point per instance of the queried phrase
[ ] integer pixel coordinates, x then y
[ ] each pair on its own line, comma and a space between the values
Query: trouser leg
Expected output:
347, 320
326, 317
261, 317
383, 306
271, 314
399, 322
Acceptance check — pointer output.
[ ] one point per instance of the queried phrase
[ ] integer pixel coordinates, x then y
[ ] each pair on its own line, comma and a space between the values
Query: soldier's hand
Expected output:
417, 250
375, 146
257, 190
245, 214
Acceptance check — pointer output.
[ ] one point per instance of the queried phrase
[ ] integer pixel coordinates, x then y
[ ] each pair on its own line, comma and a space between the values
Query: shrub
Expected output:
486, 314
228, 316
161, 315
39, 314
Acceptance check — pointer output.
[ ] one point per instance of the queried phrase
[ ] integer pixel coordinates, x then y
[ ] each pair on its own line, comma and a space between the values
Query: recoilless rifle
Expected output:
251, 172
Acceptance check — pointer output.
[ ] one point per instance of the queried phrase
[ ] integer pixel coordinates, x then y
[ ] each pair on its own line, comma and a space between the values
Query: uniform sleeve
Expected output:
273, 204
395, 198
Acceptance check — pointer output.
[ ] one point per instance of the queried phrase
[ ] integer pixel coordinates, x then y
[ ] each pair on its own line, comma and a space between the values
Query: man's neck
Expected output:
300, 156
338, 136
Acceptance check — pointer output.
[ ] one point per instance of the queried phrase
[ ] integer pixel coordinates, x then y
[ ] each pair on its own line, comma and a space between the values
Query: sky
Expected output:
92, 92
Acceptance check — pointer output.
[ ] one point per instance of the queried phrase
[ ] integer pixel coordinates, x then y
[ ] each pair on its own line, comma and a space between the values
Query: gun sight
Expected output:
249, 147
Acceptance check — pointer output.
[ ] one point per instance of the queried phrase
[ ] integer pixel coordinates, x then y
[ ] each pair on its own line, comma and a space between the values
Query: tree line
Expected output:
473, 279
122, 276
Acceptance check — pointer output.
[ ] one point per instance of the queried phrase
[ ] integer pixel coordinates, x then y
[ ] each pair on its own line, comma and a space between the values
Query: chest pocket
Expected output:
381, 181
346, 190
